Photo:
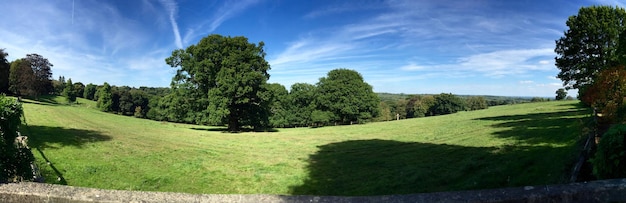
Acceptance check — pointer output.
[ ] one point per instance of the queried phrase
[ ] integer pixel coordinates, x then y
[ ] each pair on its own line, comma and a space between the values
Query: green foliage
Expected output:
90, 91
5, 67
589, 45
69, 92
610, 158
344, 93
302, 97
476, 103
105, 98
14, 161
561, 94
226, 76
21, 78
79, 88
280, 104
447, 104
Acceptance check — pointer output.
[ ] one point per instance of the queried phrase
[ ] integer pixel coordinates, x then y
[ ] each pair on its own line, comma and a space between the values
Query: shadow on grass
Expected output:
383, 167
43, 137
538, 128
225, 130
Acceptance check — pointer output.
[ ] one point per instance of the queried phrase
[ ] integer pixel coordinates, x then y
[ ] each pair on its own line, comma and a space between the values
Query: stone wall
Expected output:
595, 191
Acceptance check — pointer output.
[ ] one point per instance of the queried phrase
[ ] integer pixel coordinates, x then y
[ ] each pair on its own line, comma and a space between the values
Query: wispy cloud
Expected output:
228, 10
172, 9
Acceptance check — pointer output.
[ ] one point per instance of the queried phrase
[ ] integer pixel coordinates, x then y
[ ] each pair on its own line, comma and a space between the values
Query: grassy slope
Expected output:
515, 145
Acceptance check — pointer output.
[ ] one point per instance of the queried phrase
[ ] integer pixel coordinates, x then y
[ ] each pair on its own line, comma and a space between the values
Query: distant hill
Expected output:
491, 100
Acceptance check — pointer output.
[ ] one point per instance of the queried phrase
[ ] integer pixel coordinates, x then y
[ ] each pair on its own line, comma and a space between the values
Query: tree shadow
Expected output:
43, 137
384, 167
225, 130
538, 128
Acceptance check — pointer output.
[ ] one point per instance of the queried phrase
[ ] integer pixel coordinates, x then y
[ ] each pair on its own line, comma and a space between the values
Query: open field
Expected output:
513, 145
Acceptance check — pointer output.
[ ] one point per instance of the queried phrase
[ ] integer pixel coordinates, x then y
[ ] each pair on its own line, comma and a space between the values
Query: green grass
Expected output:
514, 145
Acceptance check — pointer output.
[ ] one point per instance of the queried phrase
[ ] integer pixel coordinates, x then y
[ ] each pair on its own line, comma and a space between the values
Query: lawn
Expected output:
513, 145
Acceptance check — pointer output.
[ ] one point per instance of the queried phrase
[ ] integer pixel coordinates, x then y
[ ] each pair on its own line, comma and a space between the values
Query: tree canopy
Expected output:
589, 45
347, 96
4, 72
225, 77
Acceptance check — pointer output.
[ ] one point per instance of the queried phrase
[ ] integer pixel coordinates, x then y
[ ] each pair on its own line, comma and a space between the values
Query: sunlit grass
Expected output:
514, 145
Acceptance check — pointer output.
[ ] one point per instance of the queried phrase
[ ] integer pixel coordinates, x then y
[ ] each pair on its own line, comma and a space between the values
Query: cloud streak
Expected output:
172, 9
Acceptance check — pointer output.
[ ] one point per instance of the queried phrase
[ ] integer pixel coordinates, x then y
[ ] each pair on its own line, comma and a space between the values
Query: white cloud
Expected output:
526, 82
172, 9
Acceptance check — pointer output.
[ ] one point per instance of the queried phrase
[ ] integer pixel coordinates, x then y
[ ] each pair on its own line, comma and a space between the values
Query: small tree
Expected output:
561, 94
90, 91
447, 104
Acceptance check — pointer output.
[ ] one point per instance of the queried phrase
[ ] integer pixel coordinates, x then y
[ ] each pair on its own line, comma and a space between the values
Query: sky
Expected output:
465, 47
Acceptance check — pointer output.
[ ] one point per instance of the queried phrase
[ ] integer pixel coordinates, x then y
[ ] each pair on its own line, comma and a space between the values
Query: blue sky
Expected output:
462, 47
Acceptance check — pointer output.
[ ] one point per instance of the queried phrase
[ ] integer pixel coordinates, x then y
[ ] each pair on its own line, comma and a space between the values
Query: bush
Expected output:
14, 161
610, 158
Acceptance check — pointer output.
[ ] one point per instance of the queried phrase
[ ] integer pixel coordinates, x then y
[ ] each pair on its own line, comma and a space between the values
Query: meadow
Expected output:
503, 146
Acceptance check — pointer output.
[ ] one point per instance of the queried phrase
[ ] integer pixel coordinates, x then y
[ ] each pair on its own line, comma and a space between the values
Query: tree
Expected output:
476, 103
447, 104
227, 76
561, 94
69, 91
5, 66
79, 87
90, 91
385, 112
607, 94
303, 98
21, 78
589, 45
105, 100
280, 103
344, 93
41, 68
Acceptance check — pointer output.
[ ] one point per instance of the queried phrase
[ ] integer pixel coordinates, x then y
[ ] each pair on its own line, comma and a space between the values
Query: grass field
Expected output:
514, 145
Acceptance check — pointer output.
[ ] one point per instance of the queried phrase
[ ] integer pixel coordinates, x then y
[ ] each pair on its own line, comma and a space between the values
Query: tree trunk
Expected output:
233, 123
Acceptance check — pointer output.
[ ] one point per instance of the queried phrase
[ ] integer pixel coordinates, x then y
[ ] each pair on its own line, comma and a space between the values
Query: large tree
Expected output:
4, 72
21, 78
43, 74
227, 77
69, 92
589, 45
344, 93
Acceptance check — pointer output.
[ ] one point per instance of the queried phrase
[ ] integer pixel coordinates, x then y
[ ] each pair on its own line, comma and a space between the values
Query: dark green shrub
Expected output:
610, 158
14, 161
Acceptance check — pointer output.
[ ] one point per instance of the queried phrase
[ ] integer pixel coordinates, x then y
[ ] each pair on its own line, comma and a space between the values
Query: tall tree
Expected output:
105, 100
344, 93
79, 87
43, 74
5, 66
227, 76
280, 104
21, 78
589, 45
69, 92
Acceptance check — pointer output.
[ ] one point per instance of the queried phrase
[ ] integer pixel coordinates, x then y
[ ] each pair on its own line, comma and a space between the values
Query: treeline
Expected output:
416, 106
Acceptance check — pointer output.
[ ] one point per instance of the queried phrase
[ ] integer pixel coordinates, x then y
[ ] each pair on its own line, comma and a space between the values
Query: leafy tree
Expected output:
607, 94
90, 91
79, 87
385, 112
105, 100
447, 104
227, 76
400, 108
5, 66
476, 103
58, 85
69, 91
417, 106
302, 96
41, 67
589, 45
561, 94
279, 105
21, 78
344, 93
